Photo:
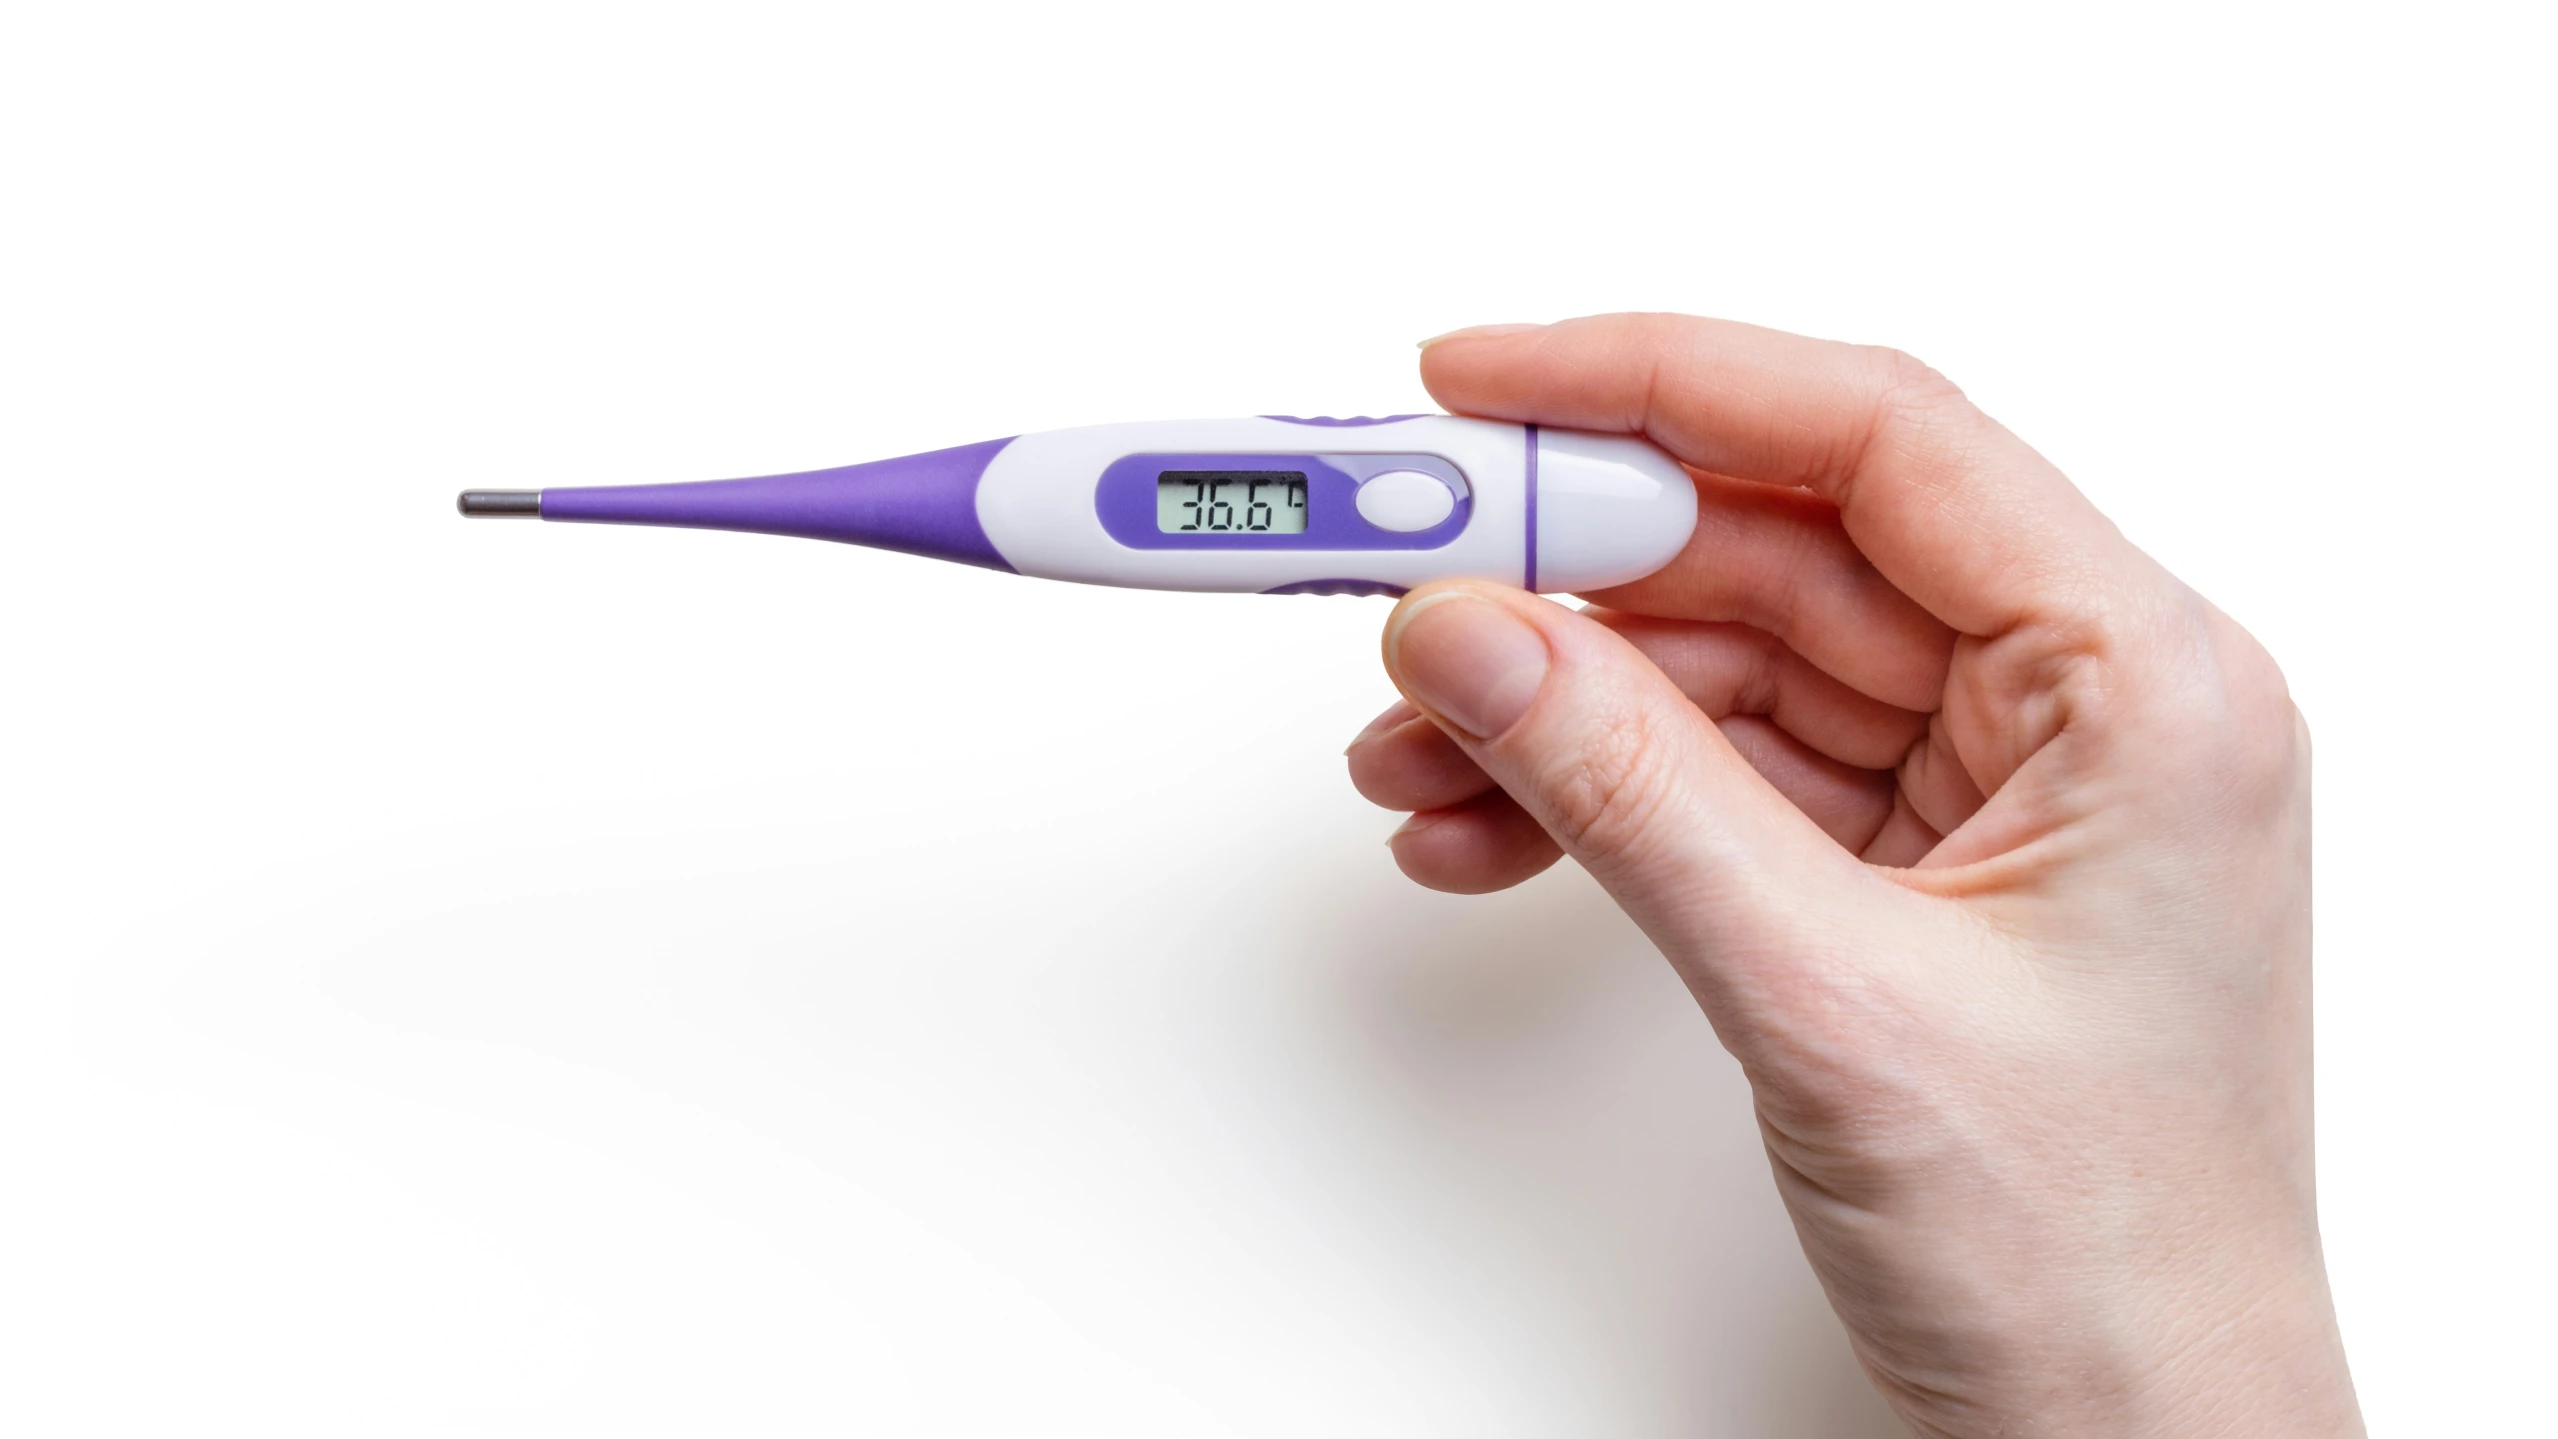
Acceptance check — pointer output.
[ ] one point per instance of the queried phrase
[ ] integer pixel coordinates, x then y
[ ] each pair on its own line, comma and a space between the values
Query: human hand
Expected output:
1983, 842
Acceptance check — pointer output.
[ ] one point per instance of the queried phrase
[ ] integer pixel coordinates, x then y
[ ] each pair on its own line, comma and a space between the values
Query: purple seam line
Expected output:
1531, 585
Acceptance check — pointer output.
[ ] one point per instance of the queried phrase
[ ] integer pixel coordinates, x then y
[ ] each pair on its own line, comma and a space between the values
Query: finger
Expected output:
1952, 509
1779, 560
1484, 844
1935, 786
1413, 765
1402, 761
1904, 839
1627, 776
1416, 766
1849, 804
1394, 714
1729, 669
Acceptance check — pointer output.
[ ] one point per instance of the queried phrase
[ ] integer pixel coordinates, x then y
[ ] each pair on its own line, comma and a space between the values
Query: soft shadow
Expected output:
1540, 1069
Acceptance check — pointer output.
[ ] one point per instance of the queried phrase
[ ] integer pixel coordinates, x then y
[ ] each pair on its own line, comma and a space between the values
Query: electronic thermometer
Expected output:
1270, 505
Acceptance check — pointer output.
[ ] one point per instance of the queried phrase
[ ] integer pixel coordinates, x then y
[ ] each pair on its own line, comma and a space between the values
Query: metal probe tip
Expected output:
519, 504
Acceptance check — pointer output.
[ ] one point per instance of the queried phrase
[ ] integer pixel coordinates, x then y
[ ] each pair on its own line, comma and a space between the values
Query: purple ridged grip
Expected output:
917, 505
1351, 423
1339, 587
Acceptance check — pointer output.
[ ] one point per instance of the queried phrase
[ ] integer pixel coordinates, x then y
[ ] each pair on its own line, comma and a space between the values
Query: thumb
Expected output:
1603, 750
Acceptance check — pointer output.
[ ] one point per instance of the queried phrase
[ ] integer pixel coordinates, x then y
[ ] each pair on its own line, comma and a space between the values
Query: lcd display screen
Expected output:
1231, 502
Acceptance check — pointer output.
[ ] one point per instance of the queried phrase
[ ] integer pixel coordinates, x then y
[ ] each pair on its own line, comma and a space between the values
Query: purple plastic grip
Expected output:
1339, 587
1351, 423
917, 504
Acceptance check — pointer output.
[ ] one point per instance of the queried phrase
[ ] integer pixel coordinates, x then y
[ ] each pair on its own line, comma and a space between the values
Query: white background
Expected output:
504, 978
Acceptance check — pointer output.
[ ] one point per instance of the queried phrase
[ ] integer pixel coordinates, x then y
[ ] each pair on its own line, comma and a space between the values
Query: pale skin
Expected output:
1982, 841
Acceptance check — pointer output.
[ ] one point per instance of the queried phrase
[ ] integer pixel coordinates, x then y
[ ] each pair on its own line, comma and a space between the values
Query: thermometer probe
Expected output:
1271, 504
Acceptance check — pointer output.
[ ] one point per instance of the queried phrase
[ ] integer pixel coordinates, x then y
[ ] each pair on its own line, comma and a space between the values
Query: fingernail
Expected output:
1472, 660
1415, 824
1395, 714
1479, 332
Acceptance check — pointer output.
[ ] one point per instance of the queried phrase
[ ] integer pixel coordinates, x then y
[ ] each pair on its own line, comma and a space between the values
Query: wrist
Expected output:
2252, 1349
2203, 1323
2267, 1361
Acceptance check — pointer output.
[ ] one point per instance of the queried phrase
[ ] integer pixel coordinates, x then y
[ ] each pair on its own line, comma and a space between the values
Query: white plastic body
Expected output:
1609, 508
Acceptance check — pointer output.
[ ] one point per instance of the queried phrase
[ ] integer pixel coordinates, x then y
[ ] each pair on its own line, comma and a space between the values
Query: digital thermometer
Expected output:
1270, 504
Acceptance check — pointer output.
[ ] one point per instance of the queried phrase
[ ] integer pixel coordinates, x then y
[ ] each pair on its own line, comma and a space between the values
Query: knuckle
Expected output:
1797, 561
2213, 697
1912, 408
1602, 794
1763, 682
2264, 751
1907, 386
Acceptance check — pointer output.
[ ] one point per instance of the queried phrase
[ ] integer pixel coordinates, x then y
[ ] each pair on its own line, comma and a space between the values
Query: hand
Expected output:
1983, 842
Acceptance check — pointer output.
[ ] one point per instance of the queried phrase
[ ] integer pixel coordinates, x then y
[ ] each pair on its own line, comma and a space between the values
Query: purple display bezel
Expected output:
1125, 501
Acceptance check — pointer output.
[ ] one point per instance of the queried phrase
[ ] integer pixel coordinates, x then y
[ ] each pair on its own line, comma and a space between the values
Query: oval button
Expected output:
1405, 501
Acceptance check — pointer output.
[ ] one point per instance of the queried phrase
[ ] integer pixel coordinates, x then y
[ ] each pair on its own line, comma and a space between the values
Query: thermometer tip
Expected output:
481, 504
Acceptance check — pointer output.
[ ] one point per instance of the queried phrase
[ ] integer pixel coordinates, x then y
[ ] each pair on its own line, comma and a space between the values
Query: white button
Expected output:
1405, 501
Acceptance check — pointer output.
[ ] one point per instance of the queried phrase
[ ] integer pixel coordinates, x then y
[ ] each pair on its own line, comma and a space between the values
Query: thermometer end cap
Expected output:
492, 504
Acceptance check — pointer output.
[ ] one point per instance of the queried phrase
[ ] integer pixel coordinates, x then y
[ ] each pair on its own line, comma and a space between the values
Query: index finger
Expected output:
1955, 511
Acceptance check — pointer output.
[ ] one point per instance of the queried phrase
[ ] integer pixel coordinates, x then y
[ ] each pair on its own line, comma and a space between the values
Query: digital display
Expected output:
1231, 502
